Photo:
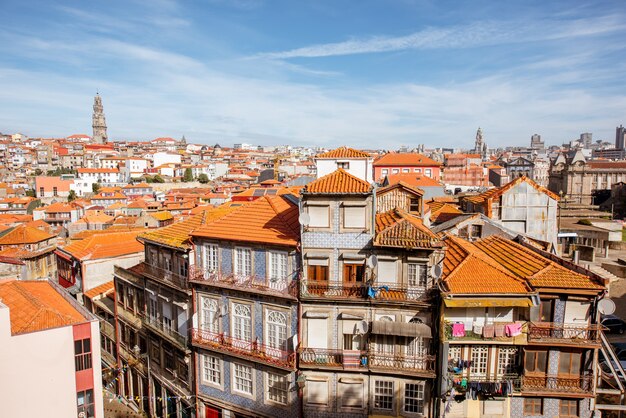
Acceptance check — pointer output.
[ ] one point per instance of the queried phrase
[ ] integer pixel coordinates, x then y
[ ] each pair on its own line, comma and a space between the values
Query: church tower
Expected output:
480, 146
99, 123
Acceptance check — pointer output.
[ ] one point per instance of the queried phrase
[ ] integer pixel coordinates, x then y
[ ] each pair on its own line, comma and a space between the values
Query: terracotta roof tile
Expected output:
267, 220
441, 211
405, 159
103, 289
539, 271
411, 179
499, 191
179, 234
467, 270
338, 182
23, 234
342, 152
36, 306
397, 228
105, 245
162, 216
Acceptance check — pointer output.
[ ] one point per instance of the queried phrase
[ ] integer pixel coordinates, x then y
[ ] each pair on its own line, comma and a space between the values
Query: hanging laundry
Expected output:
513, 330
458, 330
488, 331
499, 329
477, 329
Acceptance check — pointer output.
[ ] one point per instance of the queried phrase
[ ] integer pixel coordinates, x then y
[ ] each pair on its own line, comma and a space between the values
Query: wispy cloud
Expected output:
465, 36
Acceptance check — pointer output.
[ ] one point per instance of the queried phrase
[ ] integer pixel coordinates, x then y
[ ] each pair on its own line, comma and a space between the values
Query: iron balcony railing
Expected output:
324, 357
252, 350
405, 362
388, 292
574, 384
283, 287
552, 332
162, 275
166, 330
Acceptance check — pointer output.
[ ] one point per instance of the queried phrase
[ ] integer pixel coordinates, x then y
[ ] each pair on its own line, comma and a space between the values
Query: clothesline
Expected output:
512, 329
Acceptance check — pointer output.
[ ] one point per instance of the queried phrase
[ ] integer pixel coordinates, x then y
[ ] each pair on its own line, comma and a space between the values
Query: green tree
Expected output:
158, 179
38, 171
95, 187
71, 195
30, 193
188, 175
203, 178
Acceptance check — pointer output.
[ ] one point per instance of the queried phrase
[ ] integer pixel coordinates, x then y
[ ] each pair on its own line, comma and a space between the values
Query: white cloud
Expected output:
464, 36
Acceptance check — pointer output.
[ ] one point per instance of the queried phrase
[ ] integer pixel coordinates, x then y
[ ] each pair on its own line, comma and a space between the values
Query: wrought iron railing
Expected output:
163, 328
325, 357
578, 384
376, 291
249, 349
559, 332
401, 361
161, 275
285, 286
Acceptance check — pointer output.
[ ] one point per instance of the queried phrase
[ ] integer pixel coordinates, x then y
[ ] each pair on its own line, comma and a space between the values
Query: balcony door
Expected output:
353, 274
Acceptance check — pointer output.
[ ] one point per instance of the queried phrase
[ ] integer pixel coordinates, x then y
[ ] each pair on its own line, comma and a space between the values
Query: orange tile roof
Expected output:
405, 159
59, 207
267, 220
103, 289
467, 270
105, 245
37, 306
400, 229
401, 184
415, 180
499, 191
98, 218
338, 182
178, 234
162, 216
342, 152
23, 234
539, 271
441, 211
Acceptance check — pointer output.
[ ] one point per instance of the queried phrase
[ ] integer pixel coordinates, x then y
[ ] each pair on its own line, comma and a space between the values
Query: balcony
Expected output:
558, 333
499, 334
577, 385
423, 365
249, 350
285, 288
331, 358
162, 329
131, 318
160, 275
387, 292
108, 330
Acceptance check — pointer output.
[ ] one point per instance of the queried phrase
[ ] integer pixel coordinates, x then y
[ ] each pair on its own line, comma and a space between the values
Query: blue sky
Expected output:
370, 74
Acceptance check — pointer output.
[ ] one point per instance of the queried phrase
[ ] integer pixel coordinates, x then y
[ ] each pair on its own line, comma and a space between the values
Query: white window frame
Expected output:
215, 365
360, 217
417, 274
209, 314
417, 396
506, 359
241, 325
242, 261
312, 218
278, 266
272, 392
210, 258
238, 371
480, 360
382, 392
276, 329
428, 172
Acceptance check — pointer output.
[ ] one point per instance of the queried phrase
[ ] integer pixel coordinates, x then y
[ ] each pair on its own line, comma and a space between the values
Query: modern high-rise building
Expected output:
586, 139
620, 137
99, 123
536, 142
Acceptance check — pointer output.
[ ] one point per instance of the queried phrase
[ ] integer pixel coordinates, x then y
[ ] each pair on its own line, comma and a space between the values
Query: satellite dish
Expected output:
362, 327
436, 271
606, 306
304, 219
372, 261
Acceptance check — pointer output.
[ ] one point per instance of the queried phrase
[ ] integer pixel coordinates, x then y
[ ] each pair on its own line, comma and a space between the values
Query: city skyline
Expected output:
406, 73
